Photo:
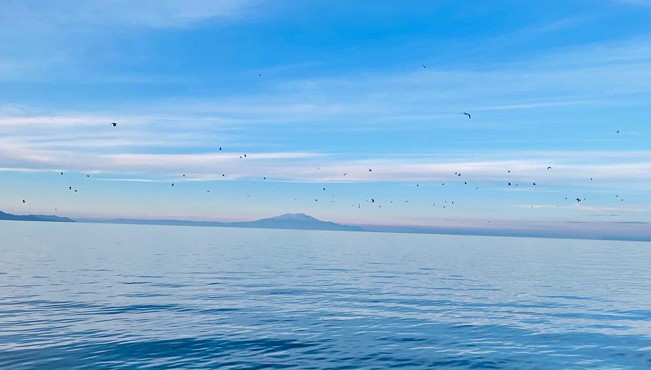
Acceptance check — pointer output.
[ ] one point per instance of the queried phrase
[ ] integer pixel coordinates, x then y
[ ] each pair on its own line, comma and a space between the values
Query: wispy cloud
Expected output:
628, 169
584, 208
146, 13
192, 128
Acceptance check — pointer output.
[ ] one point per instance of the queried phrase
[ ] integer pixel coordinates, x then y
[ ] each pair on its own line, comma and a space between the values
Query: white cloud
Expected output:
626, 169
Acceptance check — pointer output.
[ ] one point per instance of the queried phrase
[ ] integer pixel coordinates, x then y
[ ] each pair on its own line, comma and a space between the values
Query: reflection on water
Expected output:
125, 296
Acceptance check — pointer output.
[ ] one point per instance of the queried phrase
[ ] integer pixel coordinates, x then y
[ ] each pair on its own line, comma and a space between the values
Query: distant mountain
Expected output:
632, 231
296, 221
46, 218
131, 221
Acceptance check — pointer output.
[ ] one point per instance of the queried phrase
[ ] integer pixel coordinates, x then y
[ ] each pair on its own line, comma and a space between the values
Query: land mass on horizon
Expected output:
628, 231
47, 218
294, 221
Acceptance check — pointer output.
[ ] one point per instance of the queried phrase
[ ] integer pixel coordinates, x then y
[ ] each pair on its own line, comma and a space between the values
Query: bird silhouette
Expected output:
467, 114
23, 200
114, 124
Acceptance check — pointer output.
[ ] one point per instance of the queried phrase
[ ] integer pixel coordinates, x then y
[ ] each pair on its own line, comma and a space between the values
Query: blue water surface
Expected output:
157, 297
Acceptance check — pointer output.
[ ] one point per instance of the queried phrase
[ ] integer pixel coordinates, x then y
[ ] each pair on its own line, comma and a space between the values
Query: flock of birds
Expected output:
444, 204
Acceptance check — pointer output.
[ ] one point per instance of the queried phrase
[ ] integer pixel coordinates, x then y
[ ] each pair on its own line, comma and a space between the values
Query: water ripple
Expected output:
115, 297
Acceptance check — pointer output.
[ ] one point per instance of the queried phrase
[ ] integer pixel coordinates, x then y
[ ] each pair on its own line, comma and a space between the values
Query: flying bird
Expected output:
549, 167
23, 200
467, 114
114, 124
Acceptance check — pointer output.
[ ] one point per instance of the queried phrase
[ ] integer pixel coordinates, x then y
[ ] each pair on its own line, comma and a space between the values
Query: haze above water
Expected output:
120, 296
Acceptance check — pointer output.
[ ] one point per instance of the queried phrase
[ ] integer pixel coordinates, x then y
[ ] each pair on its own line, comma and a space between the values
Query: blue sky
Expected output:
311, 90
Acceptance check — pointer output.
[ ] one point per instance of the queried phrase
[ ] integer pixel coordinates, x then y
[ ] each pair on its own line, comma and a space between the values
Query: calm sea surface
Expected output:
123, 296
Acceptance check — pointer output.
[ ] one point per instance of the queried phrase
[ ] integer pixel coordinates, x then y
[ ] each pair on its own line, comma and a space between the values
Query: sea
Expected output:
100, 296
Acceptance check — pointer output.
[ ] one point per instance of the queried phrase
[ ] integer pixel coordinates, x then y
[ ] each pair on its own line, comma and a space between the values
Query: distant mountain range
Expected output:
295, 221
10, 217
632, 231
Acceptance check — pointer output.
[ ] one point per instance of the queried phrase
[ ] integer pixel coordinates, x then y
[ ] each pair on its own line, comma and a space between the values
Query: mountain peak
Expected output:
299, 221
294, 217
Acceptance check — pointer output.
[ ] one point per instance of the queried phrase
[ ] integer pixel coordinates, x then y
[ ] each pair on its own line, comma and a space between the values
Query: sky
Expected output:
347, 111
